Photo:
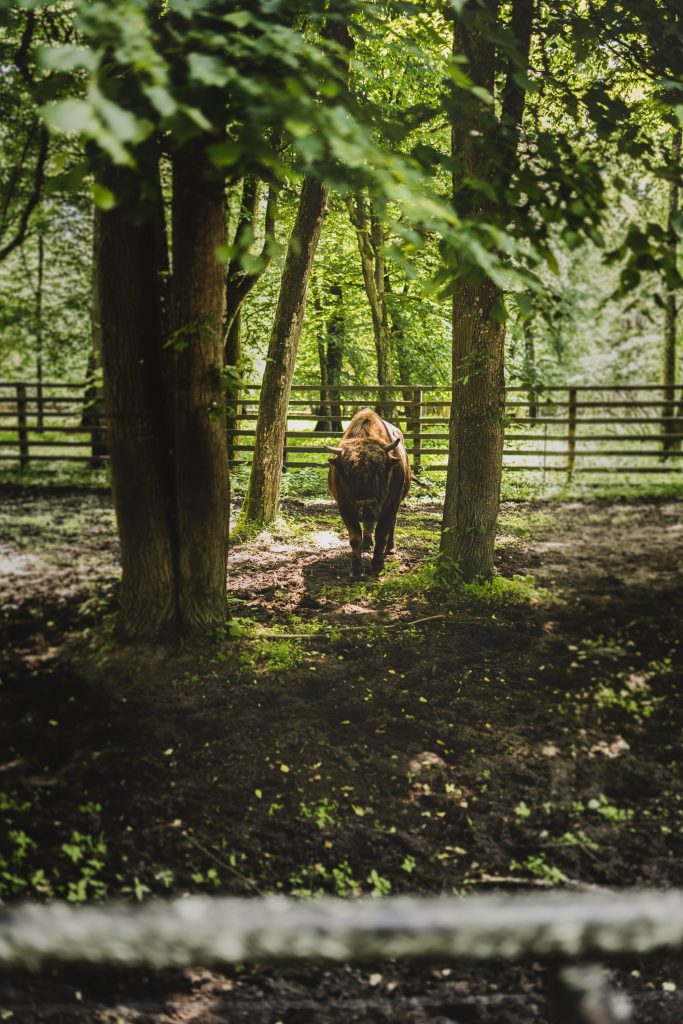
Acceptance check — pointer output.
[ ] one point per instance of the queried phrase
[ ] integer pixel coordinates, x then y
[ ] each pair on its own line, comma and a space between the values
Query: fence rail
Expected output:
568, 931
640, 427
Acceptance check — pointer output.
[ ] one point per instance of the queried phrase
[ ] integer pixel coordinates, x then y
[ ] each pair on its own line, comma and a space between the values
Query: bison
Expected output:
369, 477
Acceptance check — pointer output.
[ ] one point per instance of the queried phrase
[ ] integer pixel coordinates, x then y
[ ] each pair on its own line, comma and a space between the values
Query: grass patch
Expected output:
431, 582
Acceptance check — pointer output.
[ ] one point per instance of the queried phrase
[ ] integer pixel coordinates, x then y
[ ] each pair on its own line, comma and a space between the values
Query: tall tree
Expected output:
263, 491
478, 391
371, 241
240, 282
670, 423
330, 343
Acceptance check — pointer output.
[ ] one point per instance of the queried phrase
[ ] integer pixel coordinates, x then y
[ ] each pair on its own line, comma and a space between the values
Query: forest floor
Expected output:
343, 737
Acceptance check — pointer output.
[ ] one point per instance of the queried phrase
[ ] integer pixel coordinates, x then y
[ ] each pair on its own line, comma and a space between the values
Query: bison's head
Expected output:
364, 466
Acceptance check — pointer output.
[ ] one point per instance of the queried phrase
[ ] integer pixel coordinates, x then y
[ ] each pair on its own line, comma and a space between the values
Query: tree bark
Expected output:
478, 392
201, 478
399, 350
233, 359
670, 422
40, 418
331, 358
127, 281
263, 492
93, 416
238, 286
371, 238
323, 410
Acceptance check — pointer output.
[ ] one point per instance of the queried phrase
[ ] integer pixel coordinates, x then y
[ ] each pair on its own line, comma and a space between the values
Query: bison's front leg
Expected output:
383, 535
352, 524
368, 529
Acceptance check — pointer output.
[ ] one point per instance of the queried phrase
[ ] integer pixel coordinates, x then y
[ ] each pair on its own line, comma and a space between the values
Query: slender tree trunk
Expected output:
128, 286
263, 492
478, 397
40, 418
529, 371
335, 355
400, 353
233, 359
323, 410
201, 479
239, 284
370, 237
670, 422
93, 416
331, 358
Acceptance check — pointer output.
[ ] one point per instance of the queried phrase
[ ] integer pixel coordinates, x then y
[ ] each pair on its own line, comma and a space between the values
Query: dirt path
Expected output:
378, 736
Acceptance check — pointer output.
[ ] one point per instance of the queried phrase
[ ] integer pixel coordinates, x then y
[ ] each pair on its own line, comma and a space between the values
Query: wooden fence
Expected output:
568, 932
630, 429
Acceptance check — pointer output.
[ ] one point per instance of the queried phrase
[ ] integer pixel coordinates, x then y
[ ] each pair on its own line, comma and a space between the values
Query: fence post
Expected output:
571, 433
22, 425
417, 430
40, 404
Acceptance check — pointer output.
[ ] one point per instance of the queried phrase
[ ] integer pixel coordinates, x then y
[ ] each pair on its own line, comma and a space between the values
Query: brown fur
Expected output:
368, 484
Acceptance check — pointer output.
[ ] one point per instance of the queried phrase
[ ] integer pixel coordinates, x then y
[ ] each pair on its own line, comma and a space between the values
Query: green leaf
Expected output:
310, 147
123, 124
240, 19
103, 197
225, 154
161, 99
70, 115
66, 58
498, 310
207, 70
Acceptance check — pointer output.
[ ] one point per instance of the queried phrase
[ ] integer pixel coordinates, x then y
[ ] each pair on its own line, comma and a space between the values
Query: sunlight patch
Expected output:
327, 539
12, 563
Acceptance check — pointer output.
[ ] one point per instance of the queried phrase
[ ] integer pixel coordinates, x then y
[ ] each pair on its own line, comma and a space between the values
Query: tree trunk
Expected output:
478, 397
261, 500
233, 358
93, 416
399, 351
529, 370
670, 423
371, 238
323, 411
475, 433
201, 478
331, 358
335, 355
40, 417
127, 281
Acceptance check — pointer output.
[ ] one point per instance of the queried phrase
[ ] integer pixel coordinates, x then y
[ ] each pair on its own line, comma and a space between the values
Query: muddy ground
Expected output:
343, 737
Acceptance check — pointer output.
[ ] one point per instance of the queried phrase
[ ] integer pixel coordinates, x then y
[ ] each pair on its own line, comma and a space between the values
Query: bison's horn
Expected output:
394, 444
335, 451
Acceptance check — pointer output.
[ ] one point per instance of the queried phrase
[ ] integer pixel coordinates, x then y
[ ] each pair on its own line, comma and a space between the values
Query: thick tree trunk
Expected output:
201, 479
261, 500
670, 422
127, 282
478, 397
370, 237
475, 433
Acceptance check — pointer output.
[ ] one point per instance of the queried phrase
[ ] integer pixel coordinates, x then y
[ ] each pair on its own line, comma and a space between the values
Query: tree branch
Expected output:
32, 201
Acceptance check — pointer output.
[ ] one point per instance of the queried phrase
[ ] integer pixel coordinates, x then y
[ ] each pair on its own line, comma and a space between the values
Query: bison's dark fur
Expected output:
369, 476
